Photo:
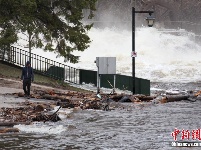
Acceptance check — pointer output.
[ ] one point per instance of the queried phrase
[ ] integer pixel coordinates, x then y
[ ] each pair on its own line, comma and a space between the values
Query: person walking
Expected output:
27, 76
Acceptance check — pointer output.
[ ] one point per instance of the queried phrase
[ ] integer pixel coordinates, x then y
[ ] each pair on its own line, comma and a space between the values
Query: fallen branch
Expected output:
54, 117
11, 124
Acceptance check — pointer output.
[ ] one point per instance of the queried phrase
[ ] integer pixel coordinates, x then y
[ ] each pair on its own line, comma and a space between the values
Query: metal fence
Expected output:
53, 69
122, 82
43, 65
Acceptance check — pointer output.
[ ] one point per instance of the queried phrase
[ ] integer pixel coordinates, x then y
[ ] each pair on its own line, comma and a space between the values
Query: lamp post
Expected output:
150, 21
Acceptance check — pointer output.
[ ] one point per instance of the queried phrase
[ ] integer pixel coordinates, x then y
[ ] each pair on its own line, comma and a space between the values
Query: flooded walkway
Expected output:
136, 126
131, 126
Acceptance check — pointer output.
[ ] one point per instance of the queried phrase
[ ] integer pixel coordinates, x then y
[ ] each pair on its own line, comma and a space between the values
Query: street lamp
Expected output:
150, 21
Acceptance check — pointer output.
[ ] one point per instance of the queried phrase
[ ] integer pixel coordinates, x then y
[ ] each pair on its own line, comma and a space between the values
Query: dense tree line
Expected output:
172, 11
187, 10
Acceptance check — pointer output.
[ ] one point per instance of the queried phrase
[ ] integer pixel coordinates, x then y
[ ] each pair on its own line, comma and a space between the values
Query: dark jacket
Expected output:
27, 73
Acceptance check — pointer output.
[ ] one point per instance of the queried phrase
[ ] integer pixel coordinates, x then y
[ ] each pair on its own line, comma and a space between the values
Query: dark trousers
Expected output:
26, 86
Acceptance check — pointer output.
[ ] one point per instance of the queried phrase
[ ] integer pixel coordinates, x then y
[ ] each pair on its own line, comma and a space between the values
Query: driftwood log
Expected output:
146, 98
8, 130
173, 98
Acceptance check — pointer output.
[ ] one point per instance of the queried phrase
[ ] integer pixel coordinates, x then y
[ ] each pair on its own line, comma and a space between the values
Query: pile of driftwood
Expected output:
28, 113
90, 100
31, 111
71, 99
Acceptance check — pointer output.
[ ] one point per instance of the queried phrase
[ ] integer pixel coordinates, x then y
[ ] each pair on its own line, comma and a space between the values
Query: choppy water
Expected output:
137, 126
161, 55
171, 61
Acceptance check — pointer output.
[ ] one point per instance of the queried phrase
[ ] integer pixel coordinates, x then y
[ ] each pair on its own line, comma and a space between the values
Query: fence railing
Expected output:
67, 73
43, 65
122, 82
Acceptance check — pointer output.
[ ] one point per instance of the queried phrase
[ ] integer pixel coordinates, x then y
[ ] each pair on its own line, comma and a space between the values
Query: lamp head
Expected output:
150, 20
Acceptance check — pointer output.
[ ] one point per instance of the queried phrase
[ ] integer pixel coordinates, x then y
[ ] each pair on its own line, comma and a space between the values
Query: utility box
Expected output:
106, 65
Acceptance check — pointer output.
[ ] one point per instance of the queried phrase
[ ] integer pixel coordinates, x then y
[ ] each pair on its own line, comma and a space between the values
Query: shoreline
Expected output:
10, 86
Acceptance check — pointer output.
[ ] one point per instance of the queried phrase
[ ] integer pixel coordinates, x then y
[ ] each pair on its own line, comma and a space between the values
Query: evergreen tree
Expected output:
55, 25
7, 37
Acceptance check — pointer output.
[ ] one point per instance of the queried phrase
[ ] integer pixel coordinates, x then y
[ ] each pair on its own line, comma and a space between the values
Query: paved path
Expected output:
7, 90
9, 86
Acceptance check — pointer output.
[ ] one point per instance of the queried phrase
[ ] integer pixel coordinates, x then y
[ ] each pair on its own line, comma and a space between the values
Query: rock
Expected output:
39, 108
71, 127
20, 94
125, 99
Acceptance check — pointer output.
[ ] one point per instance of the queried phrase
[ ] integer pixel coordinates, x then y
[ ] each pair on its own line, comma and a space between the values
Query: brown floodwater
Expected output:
132, 126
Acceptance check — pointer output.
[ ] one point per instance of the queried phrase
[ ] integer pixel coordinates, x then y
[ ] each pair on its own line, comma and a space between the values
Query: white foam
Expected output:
41, 128
48, 127
93, 88
160, 57
63, 112
156, 89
